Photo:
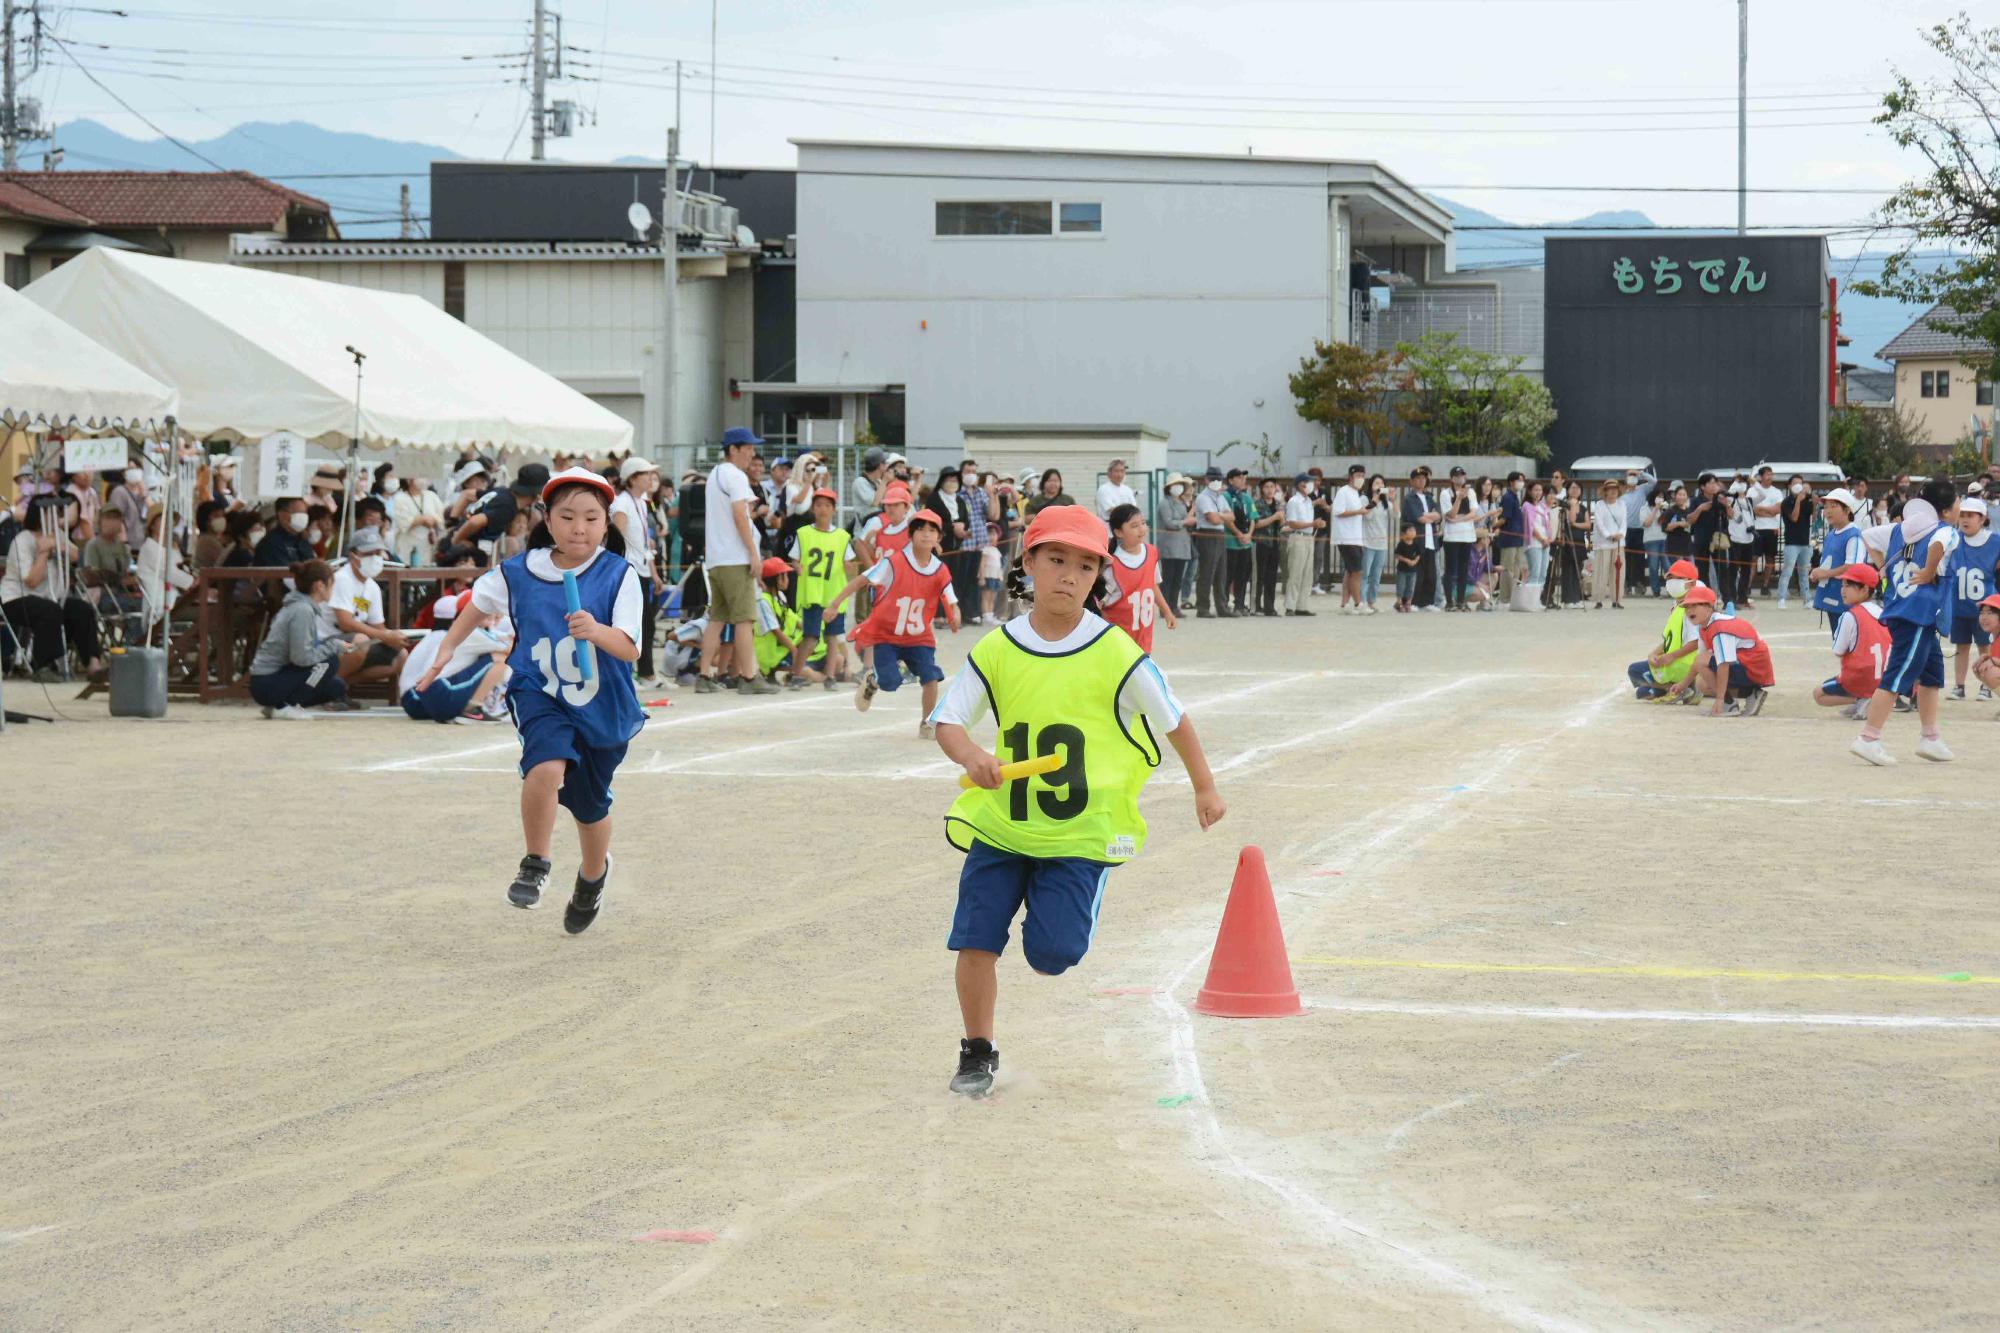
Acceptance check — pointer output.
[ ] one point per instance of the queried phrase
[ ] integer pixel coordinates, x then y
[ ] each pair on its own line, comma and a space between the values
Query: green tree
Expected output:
1472, 402
1346, 389
1868, 442
1953, 122
1270, 457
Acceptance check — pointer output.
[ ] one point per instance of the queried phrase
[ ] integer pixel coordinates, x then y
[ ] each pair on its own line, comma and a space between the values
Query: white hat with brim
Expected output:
1842, 496
1972, 504
634, 465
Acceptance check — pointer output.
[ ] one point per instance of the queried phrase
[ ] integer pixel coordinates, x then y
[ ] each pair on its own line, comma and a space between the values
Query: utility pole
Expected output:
8, 105
714, 12
409, 227
670, 244
1742, 117
537, 77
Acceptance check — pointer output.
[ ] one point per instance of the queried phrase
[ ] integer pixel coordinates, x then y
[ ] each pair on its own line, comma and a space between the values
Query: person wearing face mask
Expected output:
211, 543
417, 511
1796, 514
1176, 546
1665, 672
355, 611
284, 542
1510, 539
1211, 527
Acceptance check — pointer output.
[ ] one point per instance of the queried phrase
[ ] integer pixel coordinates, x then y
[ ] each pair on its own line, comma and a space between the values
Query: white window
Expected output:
1018, 217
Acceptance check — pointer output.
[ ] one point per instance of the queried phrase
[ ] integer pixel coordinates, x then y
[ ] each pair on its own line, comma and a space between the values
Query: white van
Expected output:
1606, 467
1820, 476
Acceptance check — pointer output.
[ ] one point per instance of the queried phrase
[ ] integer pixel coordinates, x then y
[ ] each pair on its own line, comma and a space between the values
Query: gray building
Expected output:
1075, 287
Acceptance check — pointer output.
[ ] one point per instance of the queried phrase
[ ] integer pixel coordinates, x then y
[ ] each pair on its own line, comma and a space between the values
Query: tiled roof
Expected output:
1870, 386
220, 199
1923, 338
26, 203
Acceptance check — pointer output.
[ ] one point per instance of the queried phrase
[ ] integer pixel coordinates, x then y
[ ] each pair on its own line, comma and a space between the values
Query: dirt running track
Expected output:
275, 1053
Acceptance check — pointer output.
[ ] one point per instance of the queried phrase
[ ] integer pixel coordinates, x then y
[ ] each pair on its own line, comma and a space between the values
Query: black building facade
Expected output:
1698, 351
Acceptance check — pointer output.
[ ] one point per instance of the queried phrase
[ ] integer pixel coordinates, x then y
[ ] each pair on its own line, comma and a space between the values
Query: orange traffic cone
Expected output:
1248, 974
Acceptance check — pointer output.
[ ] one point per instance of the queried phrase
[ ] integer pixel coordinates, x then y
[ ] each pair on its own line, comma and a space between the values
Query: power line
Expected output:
85, 71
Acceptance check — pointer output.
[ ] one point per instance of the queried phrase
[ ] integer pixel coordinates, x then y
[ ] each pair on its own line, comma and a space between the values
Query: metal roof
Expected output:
255, 249
1923, 338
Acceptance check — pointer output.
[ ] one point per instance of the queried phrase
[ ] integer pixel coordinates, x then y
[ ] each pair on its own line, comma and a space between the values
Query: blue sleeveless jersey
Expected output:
1970, 569
1903, 598
1842, 548
604, 708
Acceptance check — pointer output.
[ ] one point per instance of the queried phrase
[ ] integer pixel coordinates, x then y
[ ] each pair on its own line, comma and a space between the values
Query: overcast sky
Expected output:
1451, 94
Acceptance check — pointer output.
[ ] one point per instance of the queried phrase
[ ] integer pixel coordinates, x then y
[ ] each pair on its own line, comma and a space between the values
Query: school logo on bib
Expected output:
1121, 846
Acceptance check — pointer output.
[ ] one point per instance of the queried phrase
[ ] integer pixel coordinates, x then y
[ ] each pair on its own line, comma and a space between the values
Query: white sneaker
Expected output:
1371, 609
1872, 751
292, 713
1934, 750
1433, 609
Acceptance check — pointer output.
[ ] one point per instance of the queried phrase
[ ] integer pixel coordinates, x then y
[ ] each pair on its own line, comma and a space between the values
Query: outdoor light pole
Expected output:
670, 244
353, 452
1742, 117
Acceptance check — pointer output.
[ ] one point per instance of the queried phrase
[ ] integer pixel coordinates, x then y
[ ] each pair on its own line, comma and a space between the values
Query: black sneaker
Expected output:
586, 899
526, 890
977, 1061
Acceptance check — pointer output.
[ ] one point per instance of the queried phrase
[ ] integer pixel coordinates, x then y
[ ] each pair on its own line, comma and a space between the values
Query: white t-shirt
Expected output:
637, 529
20, 560
489, 592
1299, 509
727, 484
1462, 530
1742, 523
1766, 495
881, 574
1350, 531
1111, 494
359, 597
478, 646
1145, 689
1607, 523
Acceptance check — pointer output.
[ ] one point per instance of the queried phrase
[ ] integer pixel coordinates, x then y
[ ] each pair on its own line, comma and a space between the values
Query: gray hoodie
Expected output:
294, 639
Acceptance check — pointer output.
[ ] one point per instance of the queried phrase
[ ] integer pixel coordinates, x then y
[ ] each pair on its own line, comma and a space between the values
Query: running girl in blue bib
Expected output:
570, 691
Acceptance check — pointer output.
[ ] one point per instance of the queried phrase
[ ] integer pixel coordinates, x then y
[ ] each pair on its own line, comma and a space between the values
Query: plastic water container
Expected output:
139, 683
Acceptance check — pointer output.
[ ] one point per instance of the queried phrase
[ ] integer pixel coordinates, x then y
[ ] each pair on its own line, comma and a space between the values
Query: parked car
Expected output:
1605, 467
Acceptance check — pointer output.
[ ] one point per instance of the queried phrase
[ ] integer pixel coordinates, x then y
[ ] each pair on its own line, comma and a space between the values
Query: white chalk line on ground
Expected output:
1187, 1060
1836, 798
1402, 1131
1567, 1014
1257, 754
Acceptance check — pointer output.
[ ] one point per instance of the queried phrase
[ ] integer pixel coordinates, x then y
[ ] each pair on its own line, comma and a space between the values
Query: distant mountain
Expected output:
358, 174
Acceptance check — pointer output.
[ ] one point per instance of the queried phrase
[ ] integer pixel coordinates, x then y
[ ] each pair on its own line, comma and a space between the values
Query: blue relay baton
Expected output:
586, 656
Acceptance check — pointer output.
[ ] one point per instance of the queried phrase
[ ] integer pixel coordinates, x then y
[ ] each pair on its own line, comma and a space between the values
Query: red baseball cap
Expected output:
1072, 526
773, 567
1699, 594
927, 516
1865, 575
1683, 569
575, 476
824, 494
896, 494
1993, 601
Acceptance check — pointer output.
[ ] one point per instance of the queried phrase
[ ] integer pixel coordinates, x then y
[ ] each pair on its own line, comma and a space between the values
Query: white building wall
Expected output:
1207, 285
425, 279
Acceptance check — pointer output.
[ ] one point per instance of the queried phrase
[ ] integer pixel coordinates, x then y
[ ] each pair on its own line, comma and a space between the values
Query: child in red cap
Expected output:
1860, 641
1062, 682
1987, 668
911, 586
1734, 660
1666, 668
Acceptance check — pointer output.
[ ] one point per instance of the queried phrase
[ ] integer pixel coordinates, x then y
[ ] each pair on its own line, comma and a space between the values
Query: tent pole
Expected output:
353, 456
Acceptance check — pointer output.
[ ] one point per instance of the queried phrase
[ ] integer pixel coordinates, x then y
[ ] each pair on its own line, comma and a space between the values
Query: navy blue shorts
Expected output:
548, 732
1834, 688
1965, 629
1915, 659
810, 623
1740, 683
1062, 894
447, 696
921, 661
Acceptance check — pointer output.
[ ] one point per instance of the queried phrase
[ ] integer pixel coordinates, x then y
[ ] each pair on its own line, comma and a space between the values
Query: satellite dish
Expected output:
641, 218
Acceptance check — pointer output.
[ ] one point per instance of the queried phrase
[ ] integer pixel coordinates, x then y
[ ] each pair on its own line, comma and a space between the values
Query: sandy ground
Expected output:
275, 1053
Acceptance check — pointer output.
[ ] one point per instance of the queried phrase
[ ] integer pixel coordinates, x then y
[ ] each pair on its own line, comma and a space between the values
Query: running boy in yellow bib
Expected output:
1060, 681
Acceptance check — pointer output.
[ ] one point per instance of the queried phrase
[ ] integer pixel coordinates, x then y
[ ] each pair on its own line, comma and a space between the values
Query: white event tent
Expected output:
53, 377
253, 352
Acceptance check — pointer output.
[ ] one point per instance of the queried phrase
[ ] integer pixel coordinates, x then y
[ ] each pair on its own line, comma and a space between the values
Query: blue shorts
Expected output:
920, 659
1834, 688
447, 696
1062, 894
1965, 629
1915, 659
548, 732
810, 623
1740, 683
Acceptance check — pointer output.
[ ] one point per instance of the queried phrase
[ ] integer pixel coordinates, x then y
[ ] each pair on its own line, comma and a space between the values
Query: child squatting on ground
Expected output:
1667, 672
575, 715
1059, 680
1861, 644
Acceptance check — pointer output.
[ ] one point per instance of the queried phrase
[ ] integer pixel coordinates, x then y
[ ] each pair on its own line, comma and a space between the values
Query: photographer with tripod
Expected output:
36, 594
